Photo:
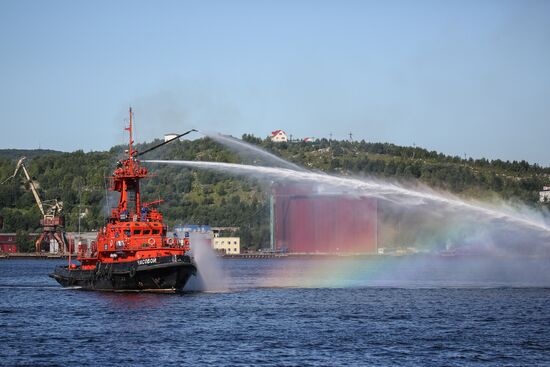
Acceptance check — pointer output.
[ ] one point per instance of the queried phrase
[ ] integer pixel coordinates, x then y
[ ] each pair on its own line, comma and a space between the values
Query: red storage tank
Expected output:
311, 222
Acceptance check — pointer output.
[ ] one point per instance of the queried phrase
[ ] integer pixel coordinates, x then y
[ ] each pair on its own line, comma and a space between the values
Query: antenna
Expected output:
129, 128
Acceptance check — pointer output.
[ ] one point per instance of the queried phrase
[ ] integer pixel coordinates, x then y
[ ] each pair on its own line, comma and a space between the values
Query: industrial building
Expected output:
8, 242
193, 228
305, 220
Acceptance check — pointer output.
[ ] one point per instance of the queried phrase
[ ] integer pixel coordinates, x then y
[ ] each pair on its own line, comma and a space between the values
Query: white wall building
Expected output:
227, 245
545, 195
279, 136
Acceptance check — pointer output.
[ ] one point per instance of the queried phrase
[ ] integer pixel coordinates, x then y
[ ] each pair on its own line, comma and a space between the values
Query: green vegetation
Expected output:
204, 197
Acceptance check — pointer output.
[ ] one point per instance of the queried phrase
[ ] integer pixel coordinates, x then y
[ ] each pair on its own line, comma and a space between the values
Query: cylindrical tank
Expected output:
306, 221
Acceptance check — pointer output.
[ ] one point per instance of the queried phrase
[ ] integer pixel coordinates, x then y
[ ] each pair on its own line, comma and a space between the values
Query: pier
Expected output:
30, 255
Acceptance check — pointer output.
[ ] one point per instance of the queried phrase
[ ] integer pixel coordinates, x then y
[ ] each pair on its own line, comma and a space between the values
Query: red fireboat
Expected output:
132, 251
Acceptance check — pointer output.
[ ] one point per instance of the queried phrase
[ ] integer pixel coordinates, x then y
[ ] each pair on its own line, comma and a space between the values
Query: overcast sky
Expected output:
460, 77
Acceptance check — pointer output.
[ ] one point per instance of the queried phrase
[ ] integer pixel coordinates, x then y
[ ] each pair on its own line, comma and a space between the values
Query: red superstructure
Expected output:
133, 244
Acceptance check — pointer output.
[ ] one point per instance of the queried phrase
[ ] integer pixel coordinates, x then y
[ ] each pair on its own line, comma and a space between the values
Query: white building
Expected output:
545, 195
169, 136
227, 245
279, 136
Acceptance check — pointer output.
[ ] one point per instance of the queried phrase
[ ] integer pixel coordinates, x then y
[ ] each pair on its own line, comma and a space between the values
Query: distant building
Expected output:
227, 245
279, 136
8, 242
169, 136
308, 140
545, 195
196, 228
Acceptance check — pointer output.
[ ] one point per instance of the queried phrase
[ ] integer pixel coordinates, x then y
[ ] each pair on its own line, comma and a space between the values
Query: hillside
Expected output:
29, 153
194, 196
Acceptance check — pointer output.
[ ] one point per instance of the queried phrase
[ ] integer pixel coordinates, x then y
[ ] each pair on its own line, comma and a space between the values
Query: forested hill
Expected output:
204, 197
29, 153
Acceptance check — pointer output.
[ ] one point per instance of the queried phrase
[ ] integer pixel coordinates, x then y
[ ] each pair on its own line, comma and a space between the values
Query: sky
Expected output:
460, 77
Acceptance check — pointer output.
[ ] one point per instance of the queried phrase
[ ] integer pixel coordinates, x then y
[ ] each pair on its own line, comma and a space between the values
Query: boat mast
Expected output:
137, 196
127, 179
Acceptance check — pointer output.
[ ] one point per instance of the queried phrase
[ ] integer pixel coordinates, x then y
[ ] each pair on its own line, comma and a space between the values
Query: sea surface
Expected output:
288, 312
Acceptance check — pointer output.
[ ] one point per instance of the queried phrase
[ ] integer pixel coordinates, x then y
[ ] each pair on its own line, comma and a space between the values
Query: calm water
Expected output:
370, 312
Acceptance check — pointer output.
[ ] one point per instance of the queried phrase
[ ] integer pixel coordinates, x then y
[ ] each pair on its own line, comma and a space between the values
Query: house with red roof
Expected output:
279, 136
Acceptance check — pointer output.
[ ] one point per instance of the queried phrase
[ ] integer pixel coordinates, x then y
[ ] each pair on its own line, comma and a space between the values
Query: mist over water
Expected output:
210, 275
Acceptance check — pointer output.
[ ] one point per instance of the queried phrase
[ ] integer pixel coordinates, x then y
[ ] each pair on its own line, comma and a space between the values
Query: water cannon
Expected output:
166, 142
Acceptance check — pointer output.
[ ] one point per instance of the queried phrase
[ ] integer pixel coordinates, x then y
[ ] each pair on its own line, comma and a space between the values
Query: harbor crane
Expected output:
52, 221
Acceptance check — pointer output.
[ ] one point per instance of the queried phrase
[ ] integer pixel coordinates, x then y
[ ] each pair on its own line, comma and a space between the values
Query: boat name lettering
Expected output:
152, 260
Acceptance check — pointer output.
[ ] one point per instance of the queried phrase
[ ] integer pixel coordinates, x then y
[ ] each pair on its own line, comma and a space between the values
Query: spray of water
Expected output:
380, 190
210, 275
249, 151
429, 217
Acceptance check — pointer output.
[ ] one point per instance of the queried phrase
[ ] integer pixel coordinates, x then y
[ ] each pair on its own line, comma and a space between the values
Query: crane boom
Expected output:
21, 165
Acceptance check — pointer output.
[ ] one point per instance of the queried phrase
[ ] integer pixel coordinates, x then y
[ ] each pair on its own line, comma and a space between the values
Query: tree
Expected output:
23, 242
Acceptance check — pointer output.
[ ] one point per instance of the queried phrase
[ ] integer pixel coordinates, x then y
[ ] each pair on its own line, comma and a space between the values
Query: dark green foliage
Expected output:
24, 241
206, 197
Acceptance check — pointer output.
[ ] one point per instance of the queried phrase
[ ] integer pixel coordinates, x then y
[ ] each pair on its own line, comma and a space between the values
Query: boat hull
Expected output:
164, 274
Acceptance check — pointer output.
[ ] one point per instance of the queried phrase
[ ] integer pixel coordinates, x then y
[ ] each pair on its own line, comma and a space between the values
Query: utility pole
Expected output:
79, 212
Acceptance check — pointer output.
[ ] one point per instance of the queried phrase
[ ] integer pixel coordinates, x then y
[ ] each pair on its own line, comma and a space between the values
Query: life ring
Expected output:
170, 241
151, 241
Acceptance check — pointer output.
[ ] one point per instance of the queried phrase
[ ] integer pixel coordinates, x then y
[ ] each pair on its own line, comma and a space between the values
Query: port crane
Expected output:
52, 221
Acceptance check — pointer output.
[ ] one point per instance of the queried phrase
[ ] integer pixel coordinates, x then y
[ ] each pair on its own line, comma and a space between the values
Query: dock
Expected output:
31, 255
254, 255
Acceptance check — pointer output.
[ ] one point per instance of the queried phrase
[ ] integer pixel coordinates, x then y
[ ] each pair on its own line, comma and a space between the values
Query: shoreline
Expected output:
250, 255
31, 255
